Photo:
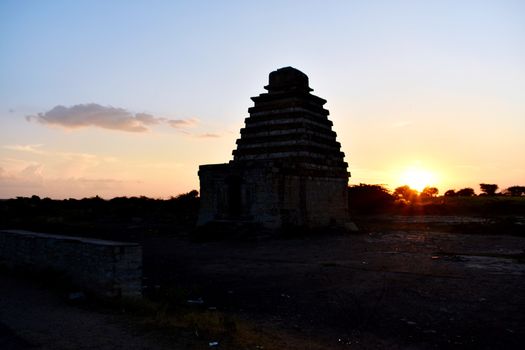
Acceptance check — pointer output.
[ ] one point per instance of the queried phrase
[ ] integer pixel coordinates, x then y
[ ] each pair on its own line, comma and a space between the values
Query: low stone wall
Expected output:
106, 268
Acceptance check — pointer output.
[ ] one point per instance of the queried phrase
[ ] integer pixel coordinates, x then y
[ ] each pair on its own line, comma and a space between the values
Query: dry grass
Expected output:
231, 331
199, 326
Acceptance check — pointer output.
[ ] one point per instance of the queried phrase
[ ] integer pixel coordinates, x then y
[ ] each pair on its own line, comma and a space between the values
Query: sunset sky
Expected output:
122, 98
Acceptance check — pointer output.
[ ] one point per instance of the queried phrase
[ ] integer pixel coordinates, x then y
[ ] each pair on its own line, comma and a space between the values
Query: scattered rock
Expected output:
197, 301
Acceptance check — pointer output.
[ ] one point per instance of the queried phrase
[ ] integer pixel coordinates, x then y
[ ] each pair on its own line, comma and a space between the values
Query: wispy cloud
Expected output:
26, 148
208, 135
71, 163
31, 180
106, 117
40, 150
29, 176
32, 171
182, 123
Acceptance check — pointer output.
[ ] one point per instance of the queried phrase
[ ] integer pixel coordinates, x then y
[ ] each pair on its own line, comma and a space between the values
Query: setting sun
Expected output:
417, 178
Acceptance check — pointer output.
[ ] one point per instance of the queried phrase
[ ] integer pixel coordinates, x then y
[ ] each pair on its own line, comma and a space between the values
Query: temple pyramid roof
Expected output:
289, 124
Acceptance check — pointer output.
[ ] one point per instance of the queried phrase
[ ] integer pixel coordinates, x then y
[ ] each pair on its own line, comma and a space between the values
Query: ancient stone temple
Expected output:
287, 170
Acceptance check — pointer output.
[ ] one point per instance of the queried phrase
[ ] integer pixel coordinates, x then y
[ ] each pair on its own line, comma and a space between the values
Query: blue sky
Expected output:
438, 85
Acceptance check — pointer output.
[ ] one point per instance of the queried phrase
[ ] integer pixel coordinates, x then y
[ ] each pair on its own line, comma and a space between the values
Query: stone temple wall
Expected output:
241, 193
287, 169
106, 268
269, 195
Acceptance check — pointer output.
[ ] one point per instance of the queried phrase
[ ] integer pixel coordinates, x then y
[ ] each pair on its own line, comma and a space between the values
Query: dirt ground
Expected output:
34, 317
402, 283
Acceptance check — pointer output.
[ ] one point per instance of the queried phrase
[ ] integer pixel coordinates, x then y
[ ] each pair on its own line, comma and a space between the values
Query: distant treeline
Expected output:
132, 217
377, 199
120, 217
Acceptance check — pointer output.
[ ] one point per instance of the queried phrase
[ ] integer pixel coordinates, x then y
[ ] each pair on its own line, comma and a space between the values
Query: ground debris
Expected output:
197, 301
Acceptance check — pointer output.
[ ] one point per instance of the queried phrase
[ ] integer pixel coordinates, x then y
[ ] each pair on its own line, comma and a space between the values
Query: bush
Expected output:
369, 199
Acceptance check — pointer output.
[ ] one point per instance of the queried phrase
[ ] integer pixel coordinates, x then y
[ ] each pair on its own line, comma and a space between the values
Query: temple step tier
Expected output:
290, 123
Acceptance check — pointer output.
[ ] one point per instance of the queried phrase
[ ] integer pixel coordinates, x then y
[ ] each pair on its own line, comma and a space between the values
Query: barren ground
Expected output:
404, 282
401, 283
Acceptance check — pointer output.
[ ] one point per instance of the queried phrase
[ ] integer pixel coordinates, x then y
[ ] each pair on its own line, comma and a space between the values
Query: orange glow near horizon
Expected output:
417, 178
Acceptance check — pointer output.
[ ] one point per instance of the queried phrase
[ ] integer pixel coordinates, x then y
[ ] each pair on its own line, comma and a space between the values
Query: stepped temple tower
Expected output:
288, 169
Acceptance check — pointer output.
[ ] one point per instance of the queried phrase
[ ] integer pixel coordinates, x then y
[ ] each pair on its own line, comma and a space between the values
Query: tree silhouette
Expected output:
405, 193
516, 191
450, 193
488, 189
429, 192
366, 199
466, 192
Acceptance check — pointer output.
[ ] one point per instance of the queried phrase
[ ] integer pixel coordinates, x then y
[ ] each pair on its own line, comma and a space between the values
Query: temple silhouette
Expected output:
288, 169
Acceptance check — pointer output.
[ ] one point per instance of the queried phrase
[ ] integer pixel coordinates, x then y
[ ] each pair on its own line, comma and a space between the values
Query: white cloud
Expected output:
106, 117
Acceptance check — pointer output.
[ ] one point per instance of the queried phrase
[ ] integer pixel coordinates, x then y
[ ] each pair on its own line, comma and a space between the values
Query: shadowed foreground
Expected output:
418, 282
410, 281
33, 317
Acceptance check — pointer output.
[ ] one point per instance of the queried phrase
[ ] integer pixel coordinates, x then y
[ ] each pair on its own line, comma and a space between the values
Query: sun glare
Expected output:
417, 178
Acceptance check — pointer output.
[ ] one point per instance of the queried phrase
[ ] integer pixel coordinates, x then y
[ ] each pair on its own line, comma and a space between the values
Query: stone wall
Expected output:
231, 192
106, 268
327, 201
273, 195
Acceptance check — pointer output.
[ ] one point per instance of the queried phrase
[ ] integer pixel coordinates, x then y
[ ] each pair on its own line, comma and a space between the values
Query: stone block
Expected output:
106, 268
